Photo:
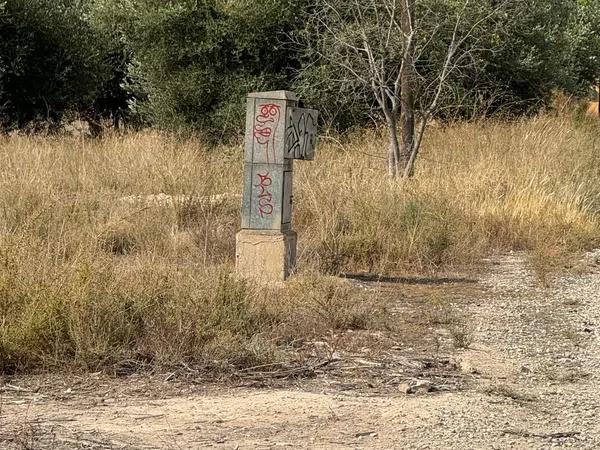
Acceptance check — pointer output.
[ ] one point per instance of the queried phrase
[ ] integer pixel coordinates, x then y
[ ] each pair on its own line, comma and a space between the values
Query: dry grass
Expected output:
87, 280
480, 188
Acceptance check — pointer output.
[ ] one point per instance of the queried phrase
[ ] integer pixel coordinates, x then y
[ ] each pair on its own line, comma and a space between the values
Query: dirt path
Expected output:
529, 379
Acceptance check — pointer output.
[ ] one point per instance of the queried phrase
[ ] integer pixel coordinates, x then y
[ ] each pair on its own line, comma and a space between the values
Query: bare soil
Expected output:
492, 361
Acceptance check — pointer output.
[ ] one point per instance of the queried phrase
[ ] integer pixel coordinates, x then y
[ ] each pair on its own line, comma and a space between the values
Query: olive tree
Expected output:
193, 62
401, 53
51, 61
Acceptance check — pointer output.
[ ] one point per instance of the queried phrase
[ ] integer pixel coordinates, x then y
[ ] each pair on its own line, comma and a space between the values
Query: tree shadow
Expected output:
424, 281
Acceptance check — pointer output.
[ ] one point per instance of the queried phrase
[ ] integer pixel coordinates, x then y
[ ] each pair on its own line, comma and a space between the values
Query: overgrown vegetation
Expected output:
91, 276
189, 64
95, 274
51, 62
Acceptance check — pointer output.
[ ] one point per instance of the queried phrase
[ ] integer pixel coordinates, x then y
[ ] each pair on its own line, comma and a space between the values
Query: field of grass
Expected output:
89, 280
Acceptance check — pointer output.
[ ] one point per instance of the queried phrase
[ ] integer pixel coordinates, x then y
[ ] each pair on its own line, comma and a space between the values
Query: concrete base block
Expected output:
266, 256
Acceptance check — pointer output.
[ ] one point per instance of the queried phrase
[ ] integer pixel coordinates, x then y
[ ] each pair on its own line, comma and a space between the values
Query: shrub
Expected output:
51, 61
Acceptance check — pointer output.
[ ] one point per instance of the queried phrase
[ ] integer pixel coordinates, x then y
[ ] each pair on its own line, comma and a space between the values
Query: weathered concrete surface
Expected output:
265, 256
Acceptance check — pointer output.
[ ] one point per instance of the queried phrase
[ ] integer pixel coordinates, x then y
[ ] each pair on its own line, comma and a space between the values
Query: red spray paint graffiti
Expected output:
265, 127
265, 198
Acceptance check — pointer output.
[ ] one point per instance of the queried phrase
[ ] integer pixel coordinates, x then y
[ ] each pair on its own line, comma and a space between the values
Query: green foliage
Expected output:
518, 54
531, 58
188, 64
584, 36
195, 61
51, 61
530, 50
341, 105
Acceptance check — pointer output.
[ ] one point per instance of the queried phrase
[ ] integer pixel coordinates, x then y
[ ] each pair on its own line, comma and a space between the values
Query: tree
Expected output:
194, 61
51, 61
402, 54
532, 56
584, 48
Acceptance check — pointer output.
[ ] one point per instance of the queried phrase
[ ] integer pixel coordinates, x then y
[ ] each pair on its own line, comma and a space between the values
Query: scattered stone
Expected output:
366, 434
404, 388
420, 387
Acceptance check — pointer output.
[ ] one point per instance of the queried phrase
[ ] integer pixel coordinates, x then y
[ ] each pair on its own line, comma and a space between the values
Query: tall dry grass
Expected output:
480, 188
88, 280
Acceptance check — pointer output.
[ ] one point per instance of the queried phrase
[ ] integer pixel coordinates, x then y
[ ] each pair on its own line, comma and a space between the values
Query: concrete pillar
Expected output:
277, 132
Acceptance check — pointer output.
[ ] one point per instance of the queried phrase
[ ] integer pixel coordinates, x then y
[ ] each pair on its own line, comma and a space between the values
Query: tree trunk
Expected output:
394, 167
407, 83
407, 123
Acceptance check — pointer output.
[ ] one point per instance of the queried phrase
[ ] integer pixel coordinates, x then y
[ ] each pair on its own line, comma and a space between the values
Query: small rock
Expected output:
366, 434
421, 387
404, 388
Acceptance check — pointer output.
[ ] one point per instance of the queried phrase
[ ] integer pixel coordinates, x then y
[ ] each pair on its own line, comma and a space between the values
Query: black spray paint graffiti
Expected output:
301, 133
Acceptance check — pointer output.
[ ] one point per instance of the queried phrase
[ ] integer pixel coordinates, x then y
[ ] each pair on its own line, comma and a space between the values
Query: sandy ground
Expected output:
528, 379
